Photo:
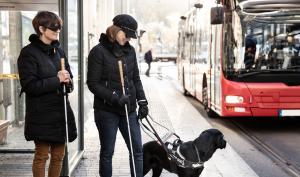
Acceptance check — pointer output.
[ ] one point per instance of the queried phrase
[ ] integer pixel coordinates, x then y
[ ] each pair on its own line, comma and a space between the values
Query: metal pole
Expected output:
63, 36
127, 119
62, 62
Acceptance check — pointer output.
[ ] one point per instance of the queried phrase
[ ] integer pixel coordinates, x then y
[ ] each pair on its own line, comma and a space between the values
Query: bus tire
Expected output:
210, 113
185, 92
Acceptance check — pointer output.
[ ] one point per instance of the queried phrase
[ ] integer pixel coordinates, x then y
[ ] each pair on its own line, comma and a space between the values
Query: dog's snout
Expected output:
221, 142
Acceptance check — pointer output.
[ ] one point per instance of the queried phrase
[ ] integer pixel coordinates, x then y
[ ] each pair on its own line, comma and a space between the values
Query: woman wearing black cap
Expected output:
41, 79
103, 80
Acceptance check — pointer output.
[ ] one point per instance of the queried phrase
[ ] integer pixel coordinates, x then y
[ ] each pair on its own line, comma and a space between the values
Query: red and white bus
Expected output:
242, 57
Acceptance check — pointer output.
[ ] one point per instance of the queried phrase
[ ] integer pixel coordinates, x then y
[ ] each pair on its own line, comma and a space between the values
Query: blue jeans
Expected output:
108, 124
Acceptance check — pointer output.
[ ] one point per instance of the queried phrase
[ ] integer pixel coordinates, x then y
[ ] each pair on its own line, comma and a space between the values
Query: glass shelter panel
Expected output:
15, 29
74, 63
14, 33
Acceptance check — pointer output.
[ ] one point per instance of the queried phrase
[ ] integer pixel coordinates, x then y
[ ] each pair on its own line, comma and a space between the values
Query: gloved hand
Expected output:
124, 99
120, 101
143, 109
69, 86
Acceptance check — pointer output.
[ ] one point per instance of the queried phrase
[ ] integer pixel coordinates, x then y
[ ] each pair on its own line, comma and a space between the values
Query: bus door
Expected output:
193, 24
215, 84
186, 57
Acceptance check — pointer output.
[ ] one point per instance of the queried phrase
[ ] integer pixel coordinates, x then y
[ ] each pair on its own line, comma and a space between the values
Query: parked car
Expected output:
165, 57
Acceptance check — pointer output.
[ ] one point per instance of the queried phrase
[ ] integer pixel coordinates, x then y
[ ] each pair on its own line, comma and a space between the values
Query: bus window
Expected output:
270, 46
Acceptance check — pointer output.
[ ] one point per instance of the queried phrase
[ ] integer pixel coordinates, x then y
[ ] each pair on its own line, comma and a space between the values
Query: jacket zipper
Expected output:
104, 101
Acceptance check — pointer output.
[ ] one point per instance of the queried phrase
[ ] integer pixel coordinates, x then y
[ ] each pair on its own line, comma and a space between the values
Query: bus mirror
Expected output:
217, 15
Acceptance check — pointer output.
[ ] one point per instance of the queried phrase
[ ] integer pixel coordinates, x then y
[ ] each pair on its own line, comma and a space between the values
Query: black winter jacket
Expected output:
103, 77
38, 65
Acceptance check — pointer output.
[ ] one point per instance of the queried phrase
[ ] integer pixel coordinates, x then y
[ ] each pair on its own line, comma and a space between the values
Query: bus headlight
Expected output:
234, 99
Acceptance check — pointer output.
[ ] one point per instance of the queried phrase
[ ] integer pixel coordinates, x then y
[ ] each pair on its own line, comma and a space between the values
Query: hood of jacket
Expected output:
48, 49
114, 47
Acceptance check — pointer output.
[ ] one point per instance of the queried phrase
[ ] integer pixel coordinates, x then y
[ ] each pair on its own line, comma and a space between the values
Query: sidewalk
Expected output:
170, 108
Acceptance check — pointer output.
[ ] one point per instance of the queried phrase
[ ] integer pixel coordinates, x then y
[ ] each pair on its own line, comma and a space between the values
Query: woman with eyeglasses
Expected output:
103, 80
42, 80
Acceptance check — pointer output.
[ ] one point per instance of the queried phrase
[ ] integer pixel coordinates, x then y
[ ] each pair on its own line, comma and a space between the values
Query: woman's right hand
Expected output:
64, 76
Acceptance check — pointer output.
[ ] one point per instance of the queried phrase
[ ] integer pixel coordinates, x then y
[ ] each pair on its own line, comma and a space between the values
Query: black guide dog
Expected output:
155, 157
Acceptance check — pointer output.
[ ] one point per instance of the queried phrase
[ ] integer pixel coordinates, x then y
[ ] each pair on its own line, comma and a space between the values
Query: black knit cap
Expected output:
127, 23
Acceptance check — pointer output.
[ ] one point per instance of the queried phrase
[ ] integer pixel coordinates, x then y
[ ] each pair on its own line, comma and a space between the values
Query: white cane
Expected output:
127, 119
62, 62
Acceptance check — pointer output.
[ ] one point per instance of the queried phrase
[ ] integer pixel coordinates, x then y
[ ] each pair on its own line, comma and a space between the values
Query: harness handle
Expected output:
156, 135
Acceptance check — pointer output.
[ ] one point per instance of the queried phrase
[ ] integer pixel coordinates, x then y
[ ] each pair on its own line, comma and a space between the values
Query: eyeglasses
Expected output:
54, 27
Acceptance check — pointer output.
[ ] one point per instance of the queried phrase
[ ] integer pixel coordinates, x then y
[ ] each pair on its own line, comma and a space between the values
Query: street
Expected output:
249, 140
281, 137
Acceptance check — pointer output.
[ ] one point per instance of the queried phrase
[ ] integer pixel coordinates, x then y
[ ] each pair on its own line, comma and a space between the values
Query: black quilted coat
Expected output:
38, 65
104, 78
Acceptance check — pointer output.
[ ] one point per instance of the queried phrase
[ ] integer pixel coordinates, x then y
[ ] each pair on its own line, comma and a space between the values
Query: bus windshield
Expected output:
262, 40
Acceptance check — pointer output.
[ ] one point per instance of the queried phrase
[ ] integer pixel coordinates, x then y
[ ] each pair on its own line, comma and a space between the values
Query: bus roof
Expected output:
270, 7
269, 4
269, 1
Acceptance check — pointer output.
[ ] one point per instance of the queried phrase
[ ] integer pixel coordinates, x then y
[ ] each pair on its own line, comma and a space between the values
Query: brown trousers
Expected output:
57, 151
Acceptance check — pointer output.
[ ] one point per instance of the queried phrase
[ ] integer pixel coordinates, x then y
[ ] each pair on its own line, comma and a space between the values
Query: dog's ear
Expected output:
221, 143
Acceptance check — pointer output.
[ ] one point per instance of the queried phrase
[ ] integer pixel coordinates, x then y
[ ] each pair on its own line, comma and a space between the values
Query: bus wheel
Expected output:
185, 92
210, 113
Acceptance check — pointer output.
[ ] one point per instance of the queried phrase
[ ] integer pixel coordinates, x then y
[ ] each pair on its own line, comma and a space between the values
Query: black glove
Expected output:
124, 100
120, 101
143, 109
69, 86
